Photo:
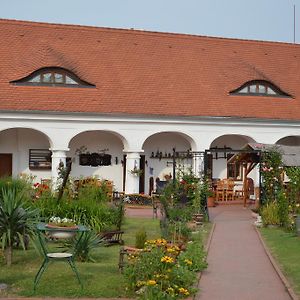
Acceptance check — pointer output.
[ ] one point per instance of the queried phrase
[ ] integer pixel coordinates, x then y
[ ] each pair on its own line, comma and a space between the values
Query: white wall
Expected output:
131, 135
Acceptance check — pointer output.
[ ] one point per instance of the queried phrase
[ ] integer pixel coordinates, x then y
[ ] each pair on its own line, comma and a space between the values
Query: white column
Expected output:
58, 156
132, 181
197, 165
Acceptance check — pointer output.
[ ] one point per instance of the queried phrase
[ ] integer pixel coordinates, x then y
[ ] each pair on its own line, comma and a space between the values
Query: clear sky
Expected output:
271, 20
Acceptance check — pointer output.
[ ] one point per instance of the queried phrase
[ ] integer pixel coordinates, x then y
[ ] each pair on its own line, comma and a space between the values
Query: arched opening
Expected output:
97, 153
292, 140
229, 176
25, 150
158, 150
219, 168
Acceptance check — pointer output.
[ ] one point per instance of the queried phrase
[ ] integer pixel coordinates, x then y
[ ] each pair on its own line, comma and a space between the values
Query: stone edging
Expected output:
276, 268
206, 248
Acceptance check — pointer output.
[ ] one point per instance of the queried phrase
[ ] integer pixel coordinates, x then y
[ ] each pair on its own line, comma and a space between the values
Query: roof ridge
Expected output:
142, 31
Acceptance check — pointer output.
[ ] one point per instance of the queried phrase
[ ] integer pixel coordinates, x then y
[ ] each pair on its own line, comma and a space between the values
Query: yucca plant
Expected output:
16, 220
87, 242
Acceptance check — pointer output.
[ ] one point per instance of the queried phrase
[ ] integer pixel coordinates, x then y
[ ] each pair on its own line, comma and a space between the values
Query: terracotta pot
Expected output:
211, 202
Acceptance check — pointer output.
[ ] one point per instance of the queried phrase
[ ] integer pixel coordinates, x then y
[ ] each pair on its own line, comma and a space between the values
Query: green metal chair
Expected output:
47, 235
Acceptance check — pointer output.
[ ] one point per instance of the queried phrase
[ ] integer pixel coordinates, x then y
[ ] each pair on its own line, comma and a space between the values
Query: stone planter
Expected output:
58, 232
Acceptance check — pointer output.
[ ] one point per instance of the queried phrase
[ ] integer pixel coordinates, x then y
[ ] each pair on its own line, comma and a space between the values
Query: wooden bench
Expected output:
112, 238
124, 255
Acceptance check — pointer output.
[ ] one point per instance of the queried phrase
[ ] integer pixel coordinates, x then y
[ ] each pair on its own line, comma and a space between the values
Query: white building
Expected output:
133, 95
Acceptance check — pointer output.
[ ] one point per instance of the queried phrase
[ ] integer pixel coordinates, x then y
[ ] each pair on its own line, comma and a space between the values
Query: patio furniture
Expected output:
228, 189
113, 237
54, 234
220, 192
124, 254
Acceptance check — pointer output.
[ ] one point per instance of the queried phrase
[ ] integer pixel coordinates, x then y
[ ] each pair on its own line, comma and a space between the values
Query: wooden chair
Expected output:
220, 192
124, 256
228, 186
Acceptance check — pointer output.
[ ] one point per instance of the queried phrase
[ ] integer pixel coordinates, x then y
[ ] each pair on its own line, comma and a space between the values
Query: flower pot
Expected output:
211, 201
58, 232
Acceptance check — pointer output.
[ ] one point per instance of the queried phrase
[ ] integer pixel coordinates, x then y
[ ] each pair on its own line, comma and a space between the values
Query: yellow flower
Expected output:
140, 283
167, 259
151, 282
170, 290
183, 291
188, 262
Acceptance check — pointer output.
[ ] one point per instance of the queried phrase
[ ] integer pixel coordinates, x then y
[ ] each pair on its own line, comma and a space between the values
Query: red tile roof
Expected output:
138, 72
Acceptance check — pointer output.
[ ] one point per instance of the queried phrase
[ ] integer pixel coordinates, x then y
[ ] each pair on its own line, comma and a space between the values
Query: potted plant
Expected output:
207, 193
61, 228
136, 172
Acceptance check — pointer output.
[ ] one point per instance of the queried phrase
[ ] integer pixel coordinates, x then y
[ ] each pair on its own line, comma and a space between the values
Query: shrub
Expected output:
91, 213
16, 220
140, 238
270, 214
159, 272
88, 241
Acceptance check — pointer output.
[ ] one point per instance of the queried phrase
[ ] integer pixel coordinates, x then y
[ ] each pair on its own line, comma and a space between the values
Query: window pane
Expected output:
270, 91
47, 77
252, 88
58, 78
261, 89
244, 90
69, 80
35, 79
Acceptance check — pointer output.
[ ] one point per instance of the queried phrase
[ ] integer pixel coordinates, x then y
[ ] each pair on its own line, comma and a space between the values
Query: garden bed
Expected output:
100, 279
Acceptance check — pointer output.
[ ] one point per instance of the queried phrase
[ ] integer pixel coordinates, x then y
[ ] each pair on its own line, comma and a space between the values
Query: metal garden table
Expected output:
48, 233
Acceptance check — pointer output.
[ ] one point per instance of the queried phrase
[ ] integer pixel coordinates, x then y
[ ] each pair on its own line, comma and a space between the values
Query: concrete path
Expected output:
238, 267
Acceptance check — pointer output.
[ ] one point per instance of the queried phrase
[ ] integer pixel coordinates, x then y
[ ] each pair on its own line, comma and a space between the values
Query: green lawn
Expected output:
100, 279
285, 248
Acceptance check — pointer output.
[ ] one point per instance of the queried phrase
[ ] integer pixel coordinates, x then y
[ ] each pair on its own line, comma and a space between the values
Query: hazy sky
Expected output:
248, 19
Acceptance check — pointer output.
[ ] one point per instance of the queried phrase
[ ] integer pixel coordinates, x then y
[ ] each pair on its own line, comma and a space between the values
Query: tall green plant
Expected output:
293, 194
271, 171
16, 220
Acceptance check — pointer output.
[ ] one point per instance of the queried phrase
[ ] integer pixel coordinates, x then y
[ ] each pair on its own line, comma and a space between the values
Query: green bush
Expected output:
270, 214
91, 213
16, 219
89, 240
159, 272
140, 238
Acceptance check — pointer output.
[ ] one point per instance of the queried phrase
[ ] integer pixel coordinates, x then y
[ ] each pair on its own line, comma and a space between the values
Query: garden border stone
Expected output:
276, 267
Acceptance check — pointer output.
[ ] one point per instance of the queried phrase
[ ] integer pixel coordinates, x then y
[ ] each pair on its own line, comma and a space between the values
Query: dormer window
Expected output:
53, 77
259, 88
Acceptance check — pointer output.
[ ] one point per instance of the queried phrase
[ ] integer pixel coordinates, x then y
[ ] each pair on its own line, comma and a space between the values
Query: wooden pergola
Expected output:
250, 156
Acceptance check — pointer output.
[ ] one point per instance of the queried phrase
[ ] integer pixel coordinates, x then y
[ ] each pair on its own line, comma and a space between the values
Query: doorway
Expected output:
5, 164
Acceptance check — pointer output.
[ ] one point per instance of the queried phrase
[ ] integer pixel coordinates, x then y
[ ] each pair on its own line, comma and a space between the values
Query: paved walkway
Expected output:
238, 267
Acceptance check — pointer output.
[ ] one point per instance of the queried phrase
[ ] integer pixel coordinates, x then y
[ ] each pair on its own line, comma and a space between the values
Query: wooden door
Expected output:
5, 164
142, 177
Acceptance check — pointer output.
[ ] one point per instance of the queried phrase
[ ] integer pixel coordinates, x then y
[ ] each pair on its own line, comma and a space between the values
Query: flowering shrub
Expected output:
271, 171
163, 271
40, 189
